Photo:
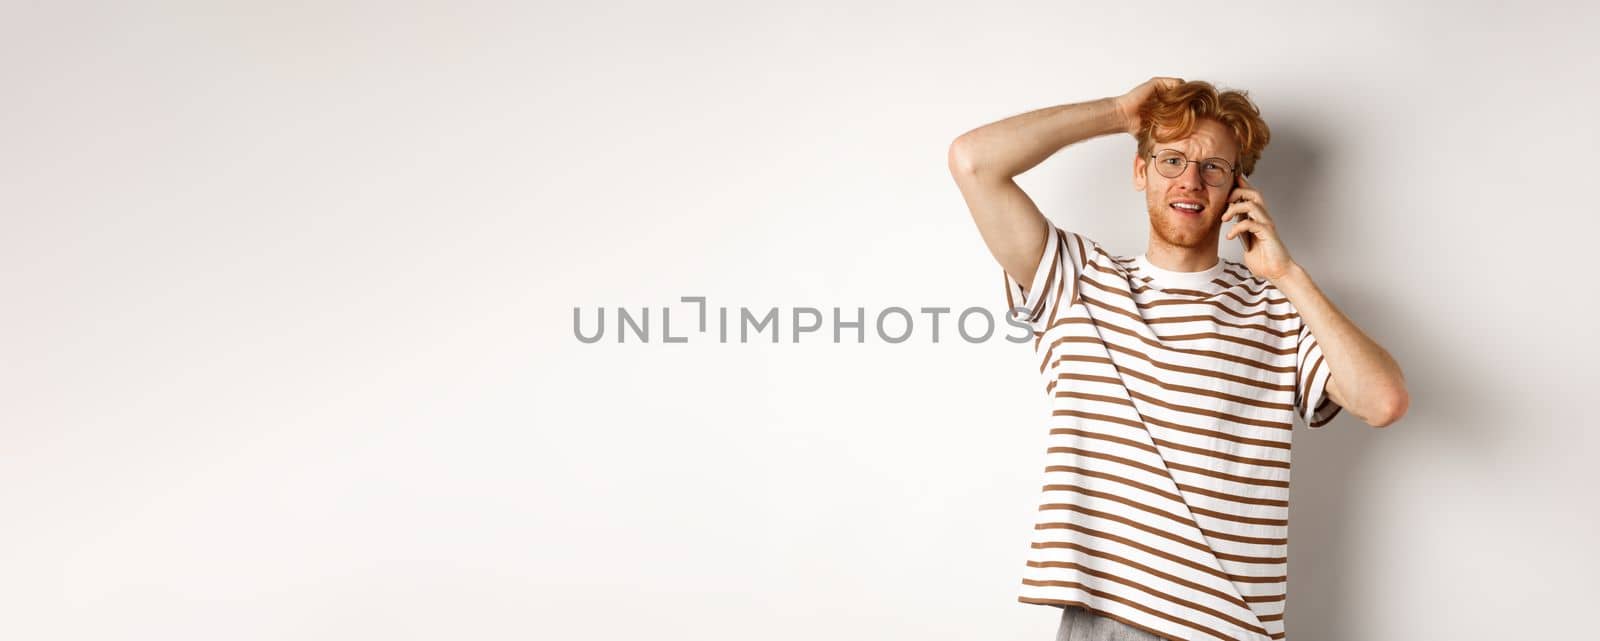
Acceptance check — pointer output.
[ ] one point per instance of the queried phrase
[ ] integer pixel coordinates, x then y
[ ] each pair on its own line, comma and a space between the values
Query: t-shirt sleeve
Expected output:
1311, 400
1054, 281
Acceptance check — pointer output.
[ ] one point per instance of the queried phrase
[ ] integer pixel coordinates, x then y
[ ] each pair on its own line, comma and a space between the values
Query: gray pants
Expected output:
1078, 624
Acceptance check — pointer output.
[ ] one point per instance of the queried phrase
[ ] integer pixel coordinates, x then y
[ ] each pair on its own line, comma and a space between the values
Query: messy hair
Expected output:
1171, 114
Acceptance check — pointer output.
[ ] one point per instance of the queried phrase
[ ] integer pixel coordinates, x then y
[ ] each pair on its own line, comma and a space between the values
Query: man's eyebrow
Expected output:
1186, 155
1234, 163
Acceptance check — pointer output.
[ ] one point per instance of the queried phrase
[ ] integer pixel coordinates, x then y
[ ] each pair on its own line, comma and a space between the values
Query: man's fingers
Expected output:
1248, 208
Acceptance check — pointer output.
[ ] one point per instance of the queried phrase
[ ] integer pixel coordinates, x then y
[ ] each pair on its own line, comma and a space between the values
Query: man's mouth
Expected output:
1189, 209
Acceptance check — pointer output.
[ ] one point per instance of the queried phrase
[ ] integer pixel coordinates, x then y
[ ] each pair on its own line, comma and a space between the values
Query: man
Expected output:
1174, 376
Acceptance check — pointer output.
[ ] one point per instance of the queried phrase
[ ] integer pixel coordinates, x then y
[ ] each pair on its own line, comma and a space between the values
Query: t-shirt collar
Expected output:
1165, 278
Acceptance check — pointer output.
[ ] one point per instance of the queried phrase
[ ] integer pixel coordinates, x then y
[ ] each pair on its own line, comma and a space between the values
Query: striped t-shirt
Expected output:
1173, 394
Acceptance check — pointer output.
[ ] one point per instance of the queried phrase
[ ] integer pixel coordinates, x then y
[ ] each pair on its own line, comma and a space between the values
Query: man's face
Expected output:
1175, 225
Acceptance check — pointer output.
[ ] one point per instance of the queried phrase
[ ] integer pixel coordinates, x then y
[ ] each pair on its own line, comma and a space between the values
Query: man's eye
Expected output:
1211, 166
1171, 161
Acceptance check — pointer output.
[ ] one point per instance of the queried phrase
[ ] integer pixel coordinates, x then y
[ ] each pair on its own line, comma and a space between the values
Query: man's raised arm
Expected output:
985, 161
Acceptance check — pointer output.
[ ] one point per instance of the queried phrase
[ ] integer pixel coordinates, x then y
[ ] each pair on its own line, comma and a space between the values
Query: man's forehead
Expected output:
1208, 139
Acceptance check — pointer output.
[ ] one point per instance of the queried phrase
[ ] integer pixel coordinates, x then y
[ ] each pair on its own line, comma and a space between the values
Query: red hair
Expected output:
1171, 114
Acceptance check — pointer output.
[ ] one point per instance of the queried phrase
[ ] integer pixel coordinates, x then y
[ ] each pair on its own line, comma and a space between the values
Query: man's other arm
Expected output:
1363, 378
985, 161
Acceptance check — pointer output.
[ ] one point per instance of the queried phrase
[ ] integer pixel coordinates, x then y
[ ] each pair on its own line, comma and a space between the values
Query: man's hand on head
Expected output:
1128, 104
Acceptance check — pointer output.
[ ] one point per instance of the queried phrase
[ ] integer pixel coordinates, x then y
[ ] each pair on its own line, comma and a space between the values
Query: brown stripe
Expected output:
1224, 516
1117, 286
1213, 318
1243, 277
1326, 402
1300, 363
1252, 363
1198, 587
1212, 374
1197, 371
1311, 377
1160, 595
1073, 469
1142, 507
1192, 449
1188, 409
1082, 359
1217, 304
1251, 540
1252, 500
1165, 534
1040, 297
1246, 480
1201, 391
1244, 284
1226, 456
1065, 449
1061, 283
1232, 339
1213, 433
1095, 397
1269, 301
1280, 333
1108, 438
1127, 521
1083, 257
1096, 266
1254, 579
1084, 529
1229, 536
1162, 493
1279, 542
1099, 417
1109, 380
1048, 352
1153, 470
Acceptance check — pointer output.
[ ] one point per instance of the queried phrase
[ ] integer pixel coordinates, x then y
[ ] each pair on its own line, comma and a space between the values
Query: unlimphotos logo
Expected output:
892, 324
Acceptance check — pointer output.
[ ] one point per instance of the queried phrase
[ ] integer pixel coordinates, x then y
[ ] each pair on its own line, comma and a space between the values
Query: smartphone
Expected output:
1244, 239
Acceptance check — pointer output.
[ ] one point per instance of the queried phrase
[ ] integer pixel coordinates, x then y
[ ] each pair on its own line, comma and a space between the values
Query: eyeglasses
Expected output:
1215, 171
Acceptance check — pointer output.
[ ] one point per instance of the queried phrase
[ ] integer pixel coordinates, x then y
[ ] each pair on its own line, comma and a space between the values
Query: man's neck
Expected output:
1181, 259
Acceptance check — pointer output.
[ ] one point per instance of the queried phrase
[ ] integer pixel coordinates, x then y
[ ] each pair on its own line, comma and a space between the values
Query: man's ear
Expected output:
1138, 172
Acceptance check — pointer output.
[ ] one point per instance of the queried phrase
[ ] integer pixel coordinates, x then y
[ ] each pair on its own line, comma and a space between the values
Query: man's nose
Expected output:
1191, 176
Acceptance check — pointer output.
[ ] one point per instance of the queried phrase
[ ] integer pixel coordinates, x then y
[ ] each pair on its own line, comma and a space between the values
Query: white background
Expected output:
289, 289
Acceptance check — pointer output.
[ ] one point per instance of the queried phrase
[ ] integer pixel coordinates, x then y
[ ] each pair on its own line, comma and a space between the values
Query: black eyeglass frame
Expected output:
1232, 170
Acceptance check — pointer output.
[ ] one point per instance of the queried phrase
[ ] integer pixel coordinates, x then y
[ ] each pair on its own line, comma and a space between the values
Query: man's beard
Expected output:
1174, 232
